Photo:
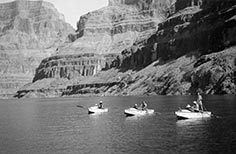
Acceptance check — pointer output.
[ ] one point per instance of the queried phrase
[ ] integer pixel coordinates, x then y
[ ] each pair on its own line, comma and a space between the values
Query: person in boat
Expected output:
135, 106
143, 105
100, 105
199, 101
195, 106
189, 107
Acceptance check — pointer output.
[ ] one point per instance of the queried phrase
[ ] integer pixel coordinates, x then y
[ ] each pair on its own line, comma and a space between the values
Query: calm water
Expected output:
57, 126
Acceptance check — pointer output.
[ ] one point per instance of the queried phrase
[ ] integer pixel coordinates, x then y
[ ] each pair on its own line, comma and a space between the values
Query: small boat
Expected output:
138, 112
95, 109
188, 114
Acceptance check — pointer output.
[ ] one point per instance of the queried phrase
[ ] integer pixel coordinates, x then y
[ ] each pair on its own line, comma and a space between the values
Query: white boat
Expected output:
138, 112
187, 114
95, 109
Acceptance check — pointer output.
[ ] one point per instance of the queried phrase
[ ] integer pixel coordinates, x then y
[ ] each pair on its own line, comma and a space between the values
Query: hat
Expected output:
194, 102
188, 106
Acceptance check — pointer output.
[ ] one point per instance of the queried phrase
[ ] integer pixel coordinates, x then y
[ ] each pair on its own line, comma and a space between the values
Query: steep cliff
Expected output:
200, 26
213, 73
105, 32
70, 66
196, 27
29, 32
192, 49
113, 28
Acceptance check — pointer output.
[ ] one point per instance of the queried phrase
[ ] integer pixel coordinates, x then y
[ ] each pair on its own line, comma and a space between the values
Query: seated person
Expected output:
100, 105
135, 106
195, 107
188, 107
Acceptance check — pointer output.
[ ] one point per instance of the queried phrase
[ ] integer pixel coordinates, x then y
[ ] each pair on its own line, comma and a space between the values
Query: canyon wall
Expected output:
113, 28
183, 47
106, 32
192, 50
201, 26
194, 28
70, 66
29, 32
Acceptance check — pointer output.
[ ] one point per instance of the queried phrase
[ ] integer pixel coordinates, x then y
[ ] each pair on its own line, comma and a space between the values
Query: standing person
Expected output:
199, 101
144, 105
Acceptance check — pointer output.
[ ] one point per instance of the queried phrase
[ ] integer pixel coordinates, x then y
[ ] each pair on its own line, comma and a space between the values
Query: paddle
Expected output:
215, 116
158, 113
80, 106
212, 115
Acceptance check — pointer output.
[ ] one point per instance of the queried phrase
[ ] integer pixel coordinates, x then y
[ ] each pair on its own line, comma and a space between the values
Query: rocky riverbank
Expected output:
211, 74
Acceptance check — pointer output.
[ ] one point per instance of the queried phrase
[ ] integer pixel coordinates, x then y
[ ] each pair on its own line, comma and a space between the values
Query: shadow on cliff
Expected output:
134, 59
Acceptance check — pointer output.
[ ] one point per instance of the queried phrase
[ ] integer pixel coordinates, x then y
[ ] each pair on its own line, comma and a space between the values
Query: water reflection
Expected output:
137, 117
134, 118
95, 115
191, 122
191, 133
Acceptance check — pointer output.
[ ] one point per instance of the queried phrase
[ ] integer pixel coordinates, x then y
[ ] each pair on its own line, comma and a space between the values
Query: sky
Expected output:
73, 9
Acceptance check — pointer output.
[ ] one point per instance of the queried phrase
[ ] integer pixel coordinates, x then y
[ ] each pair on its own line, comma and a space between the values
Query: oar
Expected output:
80, 106
212, 115
158, 113
215, 116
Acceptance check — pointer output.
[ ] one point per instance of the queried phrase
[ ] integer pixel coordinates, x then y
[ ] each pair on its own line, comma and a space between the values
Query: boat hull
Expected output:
95, 109
186, 114
137, 112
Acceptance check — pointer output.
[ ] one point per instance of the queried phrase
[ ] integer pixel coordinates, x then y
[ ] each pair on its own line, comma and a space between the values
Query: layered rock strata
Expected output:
214, 73
202, 27
193, 49
193, 28
107, 32
29, 32
210, 74
70, 66
117, 26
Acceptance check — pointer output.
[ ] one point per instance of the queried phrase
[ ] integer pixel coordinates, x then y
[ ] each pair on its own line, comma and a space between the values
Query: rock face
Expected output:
192, 26
70, 67
29, 32
173, 61
196, 28
117, 26
107, 32
192, 49
214, 73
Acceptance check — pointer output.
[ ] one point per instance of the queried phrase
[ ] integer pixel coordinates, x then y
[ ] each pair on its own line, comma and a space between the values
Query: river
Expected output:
58, 126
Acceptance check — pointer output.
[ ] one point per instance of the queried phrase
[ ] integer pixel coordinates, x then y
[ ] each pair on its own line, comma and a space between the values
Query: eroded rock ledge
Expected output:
70, 66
